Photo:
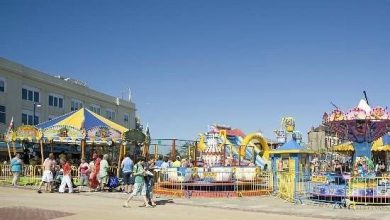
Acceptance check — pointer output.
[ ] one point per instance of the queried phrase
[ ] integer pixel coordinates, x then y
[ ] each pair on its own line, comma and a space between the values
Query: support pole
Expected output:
119, 159
189, 152
224, 155
254, 156
196, 149
42, 159
156, 151
14, 148
239, 155
83, 148
9, 152
173, 151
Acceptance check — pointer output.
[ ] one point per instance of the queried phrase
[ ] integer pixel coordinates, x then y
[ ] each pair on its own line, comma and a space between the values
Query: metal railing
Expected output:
213, 182
32, 174
333, 189
369, 191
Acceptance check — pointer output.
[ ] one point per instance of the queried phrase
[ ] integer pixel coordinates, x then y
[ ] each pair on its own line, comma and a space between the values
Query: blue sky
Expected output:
194, 63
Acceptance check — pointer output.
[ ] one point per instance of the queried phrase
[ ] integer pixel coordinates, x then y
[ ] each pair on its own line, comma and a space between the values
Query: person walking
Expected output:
47, 177
149, 182
16, 169
67, 178
103, 172
93, 183
139, 183
127, 166
83, 173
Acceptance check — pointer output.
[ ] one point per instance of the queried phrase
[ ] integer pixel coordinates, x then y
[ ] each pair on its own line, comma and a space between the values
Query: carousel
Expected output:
364, 128
78, 133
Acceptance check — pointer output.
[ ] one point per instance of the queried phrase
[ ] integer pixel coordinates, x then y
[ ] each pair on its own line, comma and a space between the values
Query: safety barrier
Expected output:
369, 191
336, 190
333, 189
213, 182
28, 177
286, 185
32, 174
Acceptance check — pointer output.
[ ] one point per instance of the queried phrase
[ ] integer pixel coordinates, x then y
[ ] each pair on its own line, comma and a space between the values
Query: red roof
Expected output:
235, 132
229, 132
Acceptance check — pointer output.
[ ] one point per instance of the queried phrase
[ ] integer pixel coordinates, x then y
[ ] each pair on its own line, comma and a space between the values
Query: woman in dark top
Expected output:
338, 168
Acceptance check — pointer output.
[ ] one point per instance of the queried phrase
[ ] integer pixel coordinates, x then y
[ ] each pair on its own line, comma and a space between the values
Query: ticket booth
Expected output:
290, 165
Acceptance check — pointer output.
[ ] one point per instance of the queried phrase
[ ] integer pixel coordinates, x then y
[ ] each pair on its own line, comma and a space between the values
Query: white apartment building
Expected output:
25, 93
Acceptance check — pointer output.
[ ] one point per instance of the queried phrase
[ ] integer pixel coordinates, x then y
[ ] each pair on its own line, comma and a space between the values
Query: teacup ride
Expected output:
246, 174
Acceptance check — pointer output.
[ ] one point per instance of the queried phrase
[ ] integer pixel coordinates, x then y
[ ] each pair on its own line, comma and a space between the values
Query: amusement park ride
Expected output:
224, 146
227, 160
362, 126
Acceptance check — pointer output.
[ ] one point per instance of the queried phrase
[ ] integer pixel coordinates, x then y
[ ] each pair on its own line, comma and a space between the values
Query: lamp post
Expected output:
36, 105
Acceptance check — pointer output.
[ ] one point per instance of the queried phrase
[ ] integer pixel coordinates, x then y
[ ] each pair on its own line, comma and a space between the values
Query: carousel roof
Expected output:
360, 124
82, 119
82, 124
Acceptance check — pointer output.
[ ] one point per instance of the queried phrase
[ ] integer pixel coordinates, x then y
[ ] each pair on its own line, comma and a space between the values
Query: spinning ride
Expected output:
361, 126
228, 164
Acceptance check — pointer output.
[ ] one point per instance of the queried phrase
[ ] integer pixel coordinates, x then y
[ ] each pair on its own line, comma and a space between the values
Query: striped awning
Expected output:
82, 124
344, 147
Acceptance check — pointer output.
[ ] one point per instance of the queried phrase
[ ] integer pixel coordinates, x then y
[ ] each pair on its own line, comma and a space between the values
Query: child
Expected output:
66, 179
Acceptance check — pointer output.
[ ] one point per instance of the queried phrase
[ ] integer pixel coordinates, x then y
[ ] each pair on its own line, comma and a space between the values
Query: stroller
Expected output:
113, 182
58, 175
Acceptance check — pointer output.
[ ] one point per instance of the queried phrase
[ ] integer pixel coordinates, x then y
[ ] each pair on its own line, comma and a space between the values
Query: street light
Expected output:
36, 105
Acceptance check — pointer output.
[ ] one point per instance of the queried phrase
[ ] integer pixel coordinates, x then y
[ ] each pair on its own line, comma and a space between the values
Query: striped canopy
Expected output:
344, 147
80, 124
382, 144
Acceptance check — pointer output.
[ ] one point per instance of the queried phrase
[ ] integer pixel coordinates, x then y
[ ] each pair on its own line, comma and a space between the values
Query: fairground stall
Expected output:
290, 168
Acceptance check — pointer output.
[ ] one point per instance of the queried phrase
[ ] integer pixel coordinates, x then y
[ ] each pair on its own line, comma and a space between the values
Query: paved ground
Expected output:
27, 204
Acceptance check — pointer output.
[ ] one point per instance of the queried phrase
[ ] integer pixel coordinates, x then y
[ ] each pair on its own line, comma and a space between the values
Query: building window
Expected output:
30, 95
2, 85
2, 114
75, 105
95, 108
126, 118
51, 117
27, 119
110, 114
56, 100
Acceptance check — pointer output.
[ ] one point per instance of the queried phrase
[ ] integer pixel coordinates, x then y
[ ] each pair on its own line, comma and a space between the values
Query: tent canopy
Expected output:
80, 124
82, 119
382, 144
344, 147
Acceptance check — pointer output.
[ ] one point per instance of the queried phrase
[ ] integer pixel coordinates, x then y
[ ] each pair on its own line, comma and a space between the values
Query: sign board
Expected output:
102, 132
318, 179
27, 132
63, 132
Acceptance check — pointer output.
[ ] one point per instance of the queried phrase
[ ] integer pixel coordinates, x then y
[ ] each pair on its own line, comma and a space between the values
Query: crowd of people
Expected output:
137, 178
